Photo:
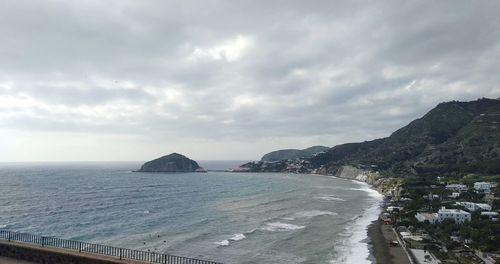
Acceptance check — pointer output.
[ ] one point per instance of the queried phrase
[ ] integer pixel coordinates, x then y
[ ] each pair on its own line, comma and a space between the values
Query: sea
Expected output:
220, 216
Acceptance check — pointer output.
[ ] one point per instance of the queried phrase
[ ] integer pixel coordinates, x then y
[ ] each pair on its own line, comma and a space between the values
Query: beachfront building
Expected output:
459, 216
431, 217
483, 186
391, 209
457, 187
475, 206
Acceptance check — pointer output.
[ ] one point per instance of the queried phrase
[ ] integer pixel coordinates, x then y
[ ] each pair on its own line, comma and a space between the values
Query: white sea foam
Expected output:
280, 227
223, 243
3, 226
145, 212
355, 250
287, 218
235, 237
313, 213
238, 237
329, 198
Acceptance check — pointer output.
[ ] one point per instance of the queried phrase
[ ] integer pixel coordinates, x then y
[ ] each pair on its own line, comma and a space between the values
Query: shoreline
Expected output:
379, 235
378, 244
379, 238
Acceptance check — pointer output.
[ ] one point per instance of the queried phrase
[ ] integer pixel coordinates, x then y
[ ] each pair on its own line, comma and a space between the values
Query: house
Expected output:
474, 206
431, 217
459, 216
456, 187
394, 209
491, 215
483, 186
416, 242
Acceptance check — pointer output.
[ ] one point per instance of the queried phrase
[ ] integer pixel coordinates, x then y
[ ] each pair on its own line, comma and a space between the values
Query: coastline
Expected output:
359, 246
378, 235
379, 249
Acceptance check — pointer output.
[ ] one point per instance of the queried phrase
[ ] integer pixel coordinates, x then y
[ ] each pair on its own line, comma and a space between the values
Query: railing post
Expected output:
43, 241
9, 236
120, 253
79, 246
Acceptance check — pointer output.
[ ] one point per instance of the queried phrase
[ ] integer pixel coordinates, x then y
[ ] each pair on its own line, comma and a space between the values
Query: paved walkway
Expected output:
67, 252
420, 255
4, 260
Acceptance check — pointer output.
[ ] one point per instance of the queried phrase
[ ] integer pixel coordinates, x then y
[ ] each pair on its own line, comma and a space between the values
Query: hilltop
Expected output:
454, 138
285, 154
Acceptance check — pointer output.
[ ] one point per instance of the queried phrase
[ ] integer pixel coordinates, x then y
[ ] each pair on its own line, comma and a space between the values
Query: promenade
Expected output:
42, 249
22, 253
5, 260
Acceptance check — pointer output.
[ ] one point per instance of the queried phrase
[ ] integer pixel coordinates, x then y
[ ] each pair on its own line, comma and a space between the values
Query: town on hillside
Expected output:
447, 222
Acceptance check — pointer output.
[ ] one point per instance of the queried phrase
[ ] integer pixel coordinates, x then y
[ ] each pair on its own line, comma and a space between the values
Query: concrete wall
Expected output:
42, 255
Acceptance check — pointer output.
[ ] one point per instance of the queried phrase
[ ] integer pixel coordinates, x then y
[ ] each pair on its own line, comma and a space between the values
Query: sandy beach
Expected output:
380, 236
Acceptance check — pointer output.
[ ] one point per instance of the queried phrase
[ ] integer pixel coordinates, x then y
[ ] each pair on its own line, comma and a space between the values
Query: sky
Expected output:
118, 80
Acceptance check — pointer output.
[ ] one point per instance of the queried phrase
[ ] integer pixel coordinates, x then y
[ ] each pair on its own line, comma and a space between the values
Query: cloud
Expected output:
232, 79
229, 50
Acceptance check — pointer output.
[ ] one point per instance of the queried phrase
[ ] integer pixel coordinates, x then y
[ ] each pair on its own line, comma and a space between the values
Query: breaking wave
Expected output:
280, 227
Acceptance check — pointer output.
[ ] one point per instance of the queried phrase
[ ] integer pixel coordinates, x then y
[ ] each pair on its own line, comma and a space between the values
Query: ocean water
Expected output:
220, 216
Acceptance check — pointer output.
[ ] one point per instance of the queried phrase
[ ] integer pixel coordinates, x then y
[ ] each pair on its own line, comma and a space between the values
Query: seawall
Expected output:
49, 255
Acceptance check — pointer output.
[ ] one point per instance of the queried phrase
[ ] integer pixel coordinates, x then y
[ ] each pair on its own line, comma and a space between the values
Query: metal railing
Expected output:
122, 253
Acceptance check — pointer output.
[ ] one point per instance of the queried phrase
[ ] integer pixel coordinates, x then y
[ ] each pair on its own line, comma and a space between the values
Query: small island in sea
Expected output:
174, 162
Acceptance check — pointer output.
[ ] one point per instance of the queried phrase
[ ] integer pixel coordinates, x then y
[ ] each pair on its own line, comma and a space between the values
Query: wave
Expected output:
238, 237
355, 248
313, 213
328, 198
235, 237
223, 243
7, 224
280, 227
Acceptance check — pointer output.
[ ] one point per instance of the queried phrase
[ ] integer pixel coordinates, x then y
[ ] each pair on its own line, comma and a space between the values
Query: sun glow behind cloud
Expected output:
229, 50
208, 80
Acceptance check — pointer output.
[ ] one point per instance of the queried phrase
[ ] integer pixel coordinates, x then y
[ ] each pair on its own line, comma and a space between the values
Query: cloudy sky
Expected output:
132, 80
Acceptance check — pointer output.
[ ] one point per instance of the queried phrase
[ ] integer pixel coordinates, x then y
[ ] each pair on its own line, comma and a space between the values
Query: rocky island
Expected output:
174, 162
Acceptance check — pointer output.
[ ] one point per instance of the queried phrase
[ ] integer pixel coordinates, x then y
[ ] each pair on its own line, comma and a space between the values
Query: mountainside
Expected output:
170, 163
285, 154
453, 138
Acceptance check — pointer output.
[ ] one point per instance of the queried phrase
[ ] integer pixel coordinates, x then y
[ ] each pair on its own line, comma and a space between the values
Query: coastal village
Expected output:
441, 222
439, 176
436, 220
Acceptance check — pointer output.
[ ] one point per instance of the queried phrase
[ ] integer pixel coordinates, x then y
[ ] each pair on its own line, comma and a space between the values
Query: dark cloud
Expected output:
243, 75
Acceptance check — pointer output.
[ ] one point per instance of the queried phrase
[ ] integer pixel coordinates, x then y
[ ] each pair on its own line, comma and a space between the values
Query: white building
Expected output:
475, 206
459, 216
492, 215
484, 186
457, 187
431, 217
394, 208
454, 195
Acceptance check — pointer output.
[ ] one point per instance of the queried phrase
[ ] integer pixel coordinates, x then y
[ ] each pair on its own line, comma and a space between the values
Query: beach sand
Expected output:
380, 236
